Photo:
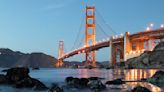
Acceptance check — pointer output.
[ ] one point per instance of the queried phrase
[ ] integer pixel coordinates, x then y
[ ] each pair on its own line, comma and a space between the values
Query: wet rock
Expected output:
115, 82
140, 89
2, 79
77, 82
84, 82
55, 88
16, 74
96, 85
19, 78
69, 79
157, 77
95, 78
35, 68
38, 85
5, 70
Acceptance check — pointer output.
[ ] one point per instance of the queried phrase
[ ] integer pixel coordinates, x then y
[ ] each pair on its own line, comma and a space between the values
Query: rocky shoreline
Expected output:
19, 78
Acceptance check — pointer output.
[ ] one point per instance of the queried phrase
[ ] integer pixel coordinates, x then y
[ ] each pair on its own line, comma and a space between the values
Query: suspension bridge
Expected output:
122, 46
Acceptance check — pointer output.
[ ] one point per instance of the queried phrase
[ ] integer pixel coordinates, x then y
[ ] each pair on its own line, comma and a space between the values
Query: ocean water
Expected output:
52, 75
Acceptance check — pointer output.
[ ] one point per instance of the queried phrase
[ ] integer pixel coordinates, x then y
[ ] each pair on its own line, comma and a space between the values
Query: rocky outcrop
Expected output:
19, 78
158, 77
140, 89
93, 83
55, 88
149, 59
115, 82
9, 58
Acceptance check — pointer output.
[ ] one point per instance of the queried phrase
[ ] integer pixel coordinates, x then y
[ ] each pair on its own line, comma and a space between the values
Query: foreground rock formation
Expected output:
93, 83
149, 59
19, 78
140, 89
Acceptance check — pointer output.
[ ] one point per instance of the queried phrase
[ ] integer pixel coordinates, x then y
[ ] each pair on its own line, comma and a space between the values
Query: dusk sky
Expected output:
38, 25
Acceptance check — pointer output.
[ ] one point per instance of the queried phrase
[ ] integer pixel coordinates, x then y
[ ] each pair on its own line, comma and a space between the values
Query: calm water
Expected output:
50, 75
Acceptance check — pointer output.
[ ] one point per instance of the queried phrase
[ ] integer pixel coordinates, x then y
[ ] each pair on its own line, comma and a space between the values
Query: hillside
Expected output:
149, 59
9, 58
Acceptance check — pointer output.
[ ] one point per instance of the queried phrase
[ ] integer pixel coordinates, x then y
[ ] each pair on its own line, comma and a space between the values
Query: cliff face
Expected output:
9, 58
149, 59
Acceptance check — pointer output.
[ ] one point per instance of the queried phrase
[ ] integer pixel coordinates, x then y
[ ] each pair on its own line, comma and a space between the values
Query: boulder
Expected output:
2, 79
5, 70
55, 88
96, 85
115, 82
69, 79
30, 83
84, 82
17, 74
95, 78
19, 78
157, 77
140, 89
77, 82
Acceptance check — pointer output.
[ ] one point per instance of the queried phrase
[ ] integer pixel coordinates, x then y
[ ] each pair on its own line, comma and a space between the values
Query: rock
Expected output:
140, 89
30, 83
96, 85
73, 82
5, 70
69, 79
2, 79
95, 78
149, 59
16, 74
38, 85
20, 79
55, 88
84, 82
77, 82
157, 77
35, 68
115, 82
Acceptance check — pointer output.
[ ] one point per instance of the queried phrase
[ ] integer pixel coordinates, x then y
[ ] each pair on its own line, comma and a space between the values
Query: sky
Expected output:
38, 25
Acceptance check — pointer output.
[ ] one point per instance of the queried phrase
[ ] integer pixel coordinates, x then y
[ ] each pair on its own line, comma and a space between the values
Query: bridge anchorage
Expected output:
122, 47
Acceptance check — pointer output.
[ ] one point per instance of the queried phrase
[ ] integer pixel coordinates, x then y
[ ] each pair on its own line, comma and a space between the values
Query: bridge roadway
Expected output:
146, 35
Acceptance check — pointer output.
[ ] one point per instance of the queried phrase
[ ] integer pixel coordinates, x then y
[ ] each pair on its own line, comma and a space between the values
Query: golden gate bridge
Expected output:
127, 45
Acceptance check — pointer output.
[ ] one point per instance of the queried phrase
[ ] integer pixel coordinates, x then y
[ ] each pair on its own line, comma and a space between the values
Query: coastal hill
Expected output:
149, 59
9, 58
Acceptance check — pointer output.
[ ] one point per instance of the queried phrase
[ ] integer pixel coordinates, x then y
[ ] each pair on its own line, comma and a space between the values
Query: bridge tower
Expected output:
60, 54
90, 34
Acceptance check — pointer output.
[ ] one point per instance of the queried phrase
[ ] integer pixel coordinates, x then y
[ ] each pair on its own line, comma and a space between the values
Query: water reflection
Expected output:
137, 74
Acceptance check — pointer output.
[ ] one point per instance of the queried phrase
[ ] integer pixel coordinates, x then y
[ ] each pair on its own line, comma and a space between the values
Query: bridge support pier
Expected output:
127, 45
59, 62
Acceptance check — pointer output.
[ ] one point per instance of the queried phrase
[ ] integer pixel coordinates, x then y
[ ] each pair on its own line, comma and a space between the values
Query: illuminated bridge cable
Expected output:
78, 35
106, 22
102, 30
81, 41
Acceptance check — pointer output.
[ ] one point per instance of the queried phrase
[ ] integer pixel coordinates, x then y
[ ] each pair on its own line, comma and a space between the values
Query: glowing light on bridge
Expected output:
79, 52
162, 25
148, 29
151, 25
